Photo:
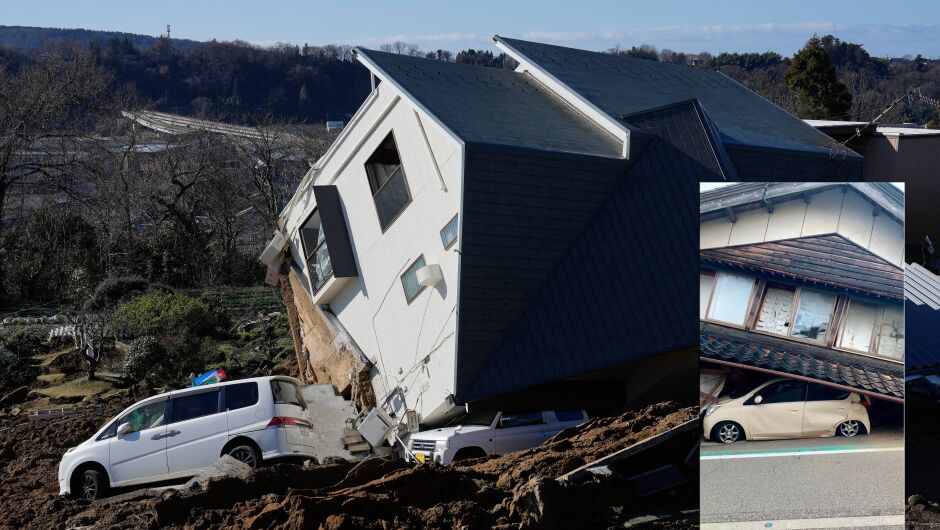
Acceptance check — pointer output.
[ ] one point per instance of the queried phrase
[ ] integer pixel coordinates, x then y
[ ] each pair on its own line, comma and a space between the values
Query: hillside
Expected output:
34, 38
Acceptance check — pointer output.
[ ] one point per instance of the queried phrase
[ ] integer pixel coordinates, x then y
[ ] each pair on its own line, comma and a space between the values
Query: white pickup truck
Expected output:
491, 433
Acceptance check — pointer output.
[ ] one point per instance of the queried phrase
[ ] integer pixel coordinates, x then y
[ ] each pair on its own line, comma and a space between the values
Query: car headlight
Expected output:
440, 445
711, 409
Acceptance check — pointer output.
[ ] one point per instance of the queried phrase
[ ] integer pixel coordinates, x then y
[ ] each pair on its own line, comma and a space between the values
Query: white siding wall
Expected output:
847, 214
394, 334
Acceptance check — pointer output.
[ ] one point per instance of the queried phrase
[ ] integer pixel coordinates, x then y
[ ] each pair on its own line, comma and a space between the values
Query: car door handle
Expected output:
164, 435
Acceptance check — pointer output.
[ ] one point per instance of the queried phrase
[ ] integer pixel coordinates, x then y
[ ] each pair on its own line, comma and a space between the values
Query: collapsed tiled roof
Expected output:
921, 318
827, 260
867, 375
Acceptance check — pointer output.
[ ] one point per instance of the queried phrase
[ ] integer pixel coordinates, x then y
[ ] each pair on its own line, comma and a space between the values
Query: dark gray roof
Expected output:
829, 261
688, 129
622, 85
615, 291
495, 106
866, 375
921, 318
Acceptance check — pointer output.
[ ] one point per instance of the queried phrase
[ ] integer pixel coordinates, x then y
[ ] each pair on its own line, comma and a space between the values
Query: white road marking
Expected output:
770, 454
828, 522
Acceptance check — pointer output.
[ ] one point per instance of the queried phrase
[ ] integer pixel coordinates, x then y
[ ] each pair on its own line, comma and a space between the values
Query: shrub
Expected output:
163, 314
114, 290
144, 354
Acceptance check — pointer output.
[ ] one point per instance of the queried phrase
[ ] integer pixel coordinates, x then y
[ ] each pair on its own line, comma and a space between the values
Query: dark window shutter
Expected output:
335, 231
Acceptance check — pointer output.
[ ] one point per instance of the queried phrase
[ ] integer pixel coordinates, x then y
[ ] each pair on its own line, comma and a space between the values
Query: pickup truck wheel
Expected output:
246, 454
92, 485
469, 452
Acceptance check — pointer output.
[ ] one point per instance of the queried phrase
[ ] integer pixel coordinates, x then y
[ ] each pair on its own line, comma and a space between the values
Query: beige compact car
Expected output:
786, 408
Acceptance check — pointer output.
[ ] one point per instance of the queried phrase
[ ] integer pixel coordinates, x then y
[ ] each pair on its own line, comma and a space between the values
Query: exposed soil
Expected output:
518, 490
921, 513
30, 451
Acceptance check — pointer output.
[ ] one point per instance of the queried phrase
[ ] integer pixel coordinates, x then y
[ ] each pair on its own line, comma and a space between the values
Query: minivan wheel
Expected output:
93, 485
246, 454
849, 428
727, 432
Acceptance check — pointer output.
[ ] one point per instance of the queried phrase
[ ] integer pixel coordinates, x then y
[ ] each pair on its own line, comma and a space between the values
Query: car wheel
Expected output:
849, 428
727, 432
246, 454
93, 485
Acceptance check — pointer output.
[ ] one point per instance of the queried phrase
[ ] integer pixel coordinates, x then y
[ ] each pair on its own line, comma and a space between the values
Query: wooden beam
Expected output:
629, 451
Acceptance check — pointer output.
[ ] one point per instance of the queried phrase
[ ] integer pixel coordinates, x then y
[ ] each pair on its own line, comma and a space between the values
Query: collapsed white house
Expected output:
494, 238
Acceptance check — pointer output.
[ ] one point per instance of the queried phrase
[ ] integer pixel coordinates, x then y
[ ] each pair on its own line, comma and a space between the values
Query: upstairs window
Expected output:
409, 280
316, 255
731, 298
873, 328
387, 181
813, 315
449, 233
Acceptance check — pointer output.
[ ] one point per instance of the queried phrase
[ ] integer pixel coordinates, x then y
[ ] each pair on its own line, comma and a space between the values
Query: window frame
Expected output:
874, 342
226, 388
172, 404
376, 190
456, 232
747, 310
421, 288
838, 314
308, 257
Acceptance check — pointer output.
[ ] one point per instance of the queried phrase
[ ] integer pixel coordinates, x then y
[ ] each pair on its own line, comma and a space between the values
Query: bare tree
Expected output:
402, 48
45, 107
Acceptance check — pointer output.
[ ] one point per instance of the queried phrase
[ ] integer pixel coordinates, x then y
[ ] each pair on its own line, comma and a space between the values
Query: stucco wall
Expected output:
410, 344
833, 211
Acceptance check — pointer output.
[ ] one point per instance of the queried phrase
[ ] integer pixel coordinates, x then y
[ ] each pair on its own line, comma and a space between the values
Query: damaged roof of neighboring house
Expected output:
737, 198
764, 140
861, 374
828, 260
922, 318
494, 106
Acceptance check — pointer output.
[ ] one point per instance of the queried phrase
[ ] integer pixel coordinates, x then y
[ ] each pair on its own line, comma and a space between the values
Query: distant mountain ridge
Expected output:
34, 38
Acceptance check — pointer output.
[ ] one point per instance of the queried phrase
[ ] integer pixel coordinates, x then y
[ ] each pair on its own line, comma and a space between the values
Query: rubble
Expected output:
518, 490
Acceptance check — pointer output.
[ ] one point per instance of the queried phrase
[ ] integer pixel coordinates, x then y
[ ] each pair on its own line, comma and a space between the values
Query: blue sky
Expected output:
892, 28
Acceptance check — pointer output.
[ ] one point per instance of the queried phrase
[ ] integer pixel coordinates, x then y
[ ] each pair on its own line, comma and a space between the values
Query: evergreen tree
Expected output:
812, 78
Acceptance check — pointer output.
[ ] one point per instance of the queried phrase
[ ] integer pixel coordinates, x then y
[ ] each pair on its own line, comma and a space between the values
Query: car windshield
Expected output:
477, 418
287, 393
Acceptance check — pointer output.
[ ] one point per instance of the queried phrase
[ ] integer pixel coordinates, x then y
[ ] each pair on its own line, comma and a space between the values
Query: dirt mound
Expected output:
518, 490
30, 451
921, 513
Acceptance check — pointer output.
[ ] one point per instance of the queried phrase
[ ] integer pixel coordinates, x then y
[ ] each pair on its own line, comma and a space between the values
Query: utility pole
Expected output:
167, 31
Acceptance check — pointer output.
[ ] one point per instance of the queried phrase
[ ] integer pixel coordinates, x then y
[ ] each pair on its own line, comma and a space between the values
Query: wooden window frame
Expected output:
711, 298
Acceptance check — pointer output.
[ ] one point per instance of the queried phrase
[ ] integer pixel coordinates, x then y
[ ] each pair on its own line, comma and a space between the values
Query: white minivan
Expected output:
176, 434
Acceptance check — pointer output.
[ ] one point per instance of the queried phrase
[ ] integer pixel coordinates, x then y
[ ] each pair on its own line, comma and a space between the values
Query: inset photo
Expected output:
801, 329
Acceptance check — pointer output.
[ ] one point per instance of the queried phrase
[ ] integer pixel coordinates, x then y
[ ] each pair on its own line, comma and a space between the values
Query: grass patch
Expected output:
76, 387
54, 378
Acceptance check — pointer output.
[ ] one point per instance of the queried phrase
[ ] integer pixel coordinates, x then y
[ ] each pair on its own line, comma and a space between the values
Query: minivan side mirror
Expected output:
758, 398
125, 429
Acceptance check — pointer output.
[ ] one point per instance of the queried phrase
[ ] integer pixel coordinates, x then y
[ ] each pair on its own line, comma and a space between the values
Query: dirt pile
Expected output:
921, 513
30, 451
518, 490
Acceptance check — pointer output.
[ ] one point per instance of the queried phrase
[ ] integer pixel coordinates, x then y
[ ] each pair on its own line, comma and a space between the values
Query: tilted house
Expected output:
806, 280
480, 236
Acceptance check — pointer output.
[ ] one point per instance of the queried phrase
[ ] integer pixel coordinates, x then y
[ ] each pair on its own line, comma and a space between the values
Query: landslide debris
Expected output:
517, 490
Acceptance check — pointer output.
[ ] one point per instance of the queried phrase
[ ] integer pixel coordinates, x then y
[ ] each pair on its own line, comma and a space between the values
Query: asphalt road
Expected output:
816, 483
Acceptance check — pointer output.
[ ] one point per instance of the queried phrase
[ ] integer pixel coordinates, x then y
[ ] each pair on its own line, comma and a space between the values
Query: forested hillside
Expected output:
316, 83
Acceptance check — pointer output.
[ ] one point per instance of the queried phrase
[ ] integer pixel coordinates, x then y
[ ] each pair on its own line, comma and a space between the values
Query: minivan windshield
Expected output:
287, 393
